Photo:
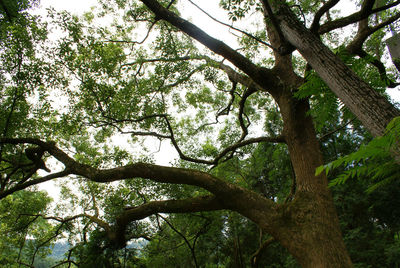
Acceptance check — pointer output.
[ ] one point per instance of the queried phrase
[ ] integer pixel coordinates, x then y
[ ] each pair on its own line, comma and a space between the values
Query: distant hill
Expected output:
59, 250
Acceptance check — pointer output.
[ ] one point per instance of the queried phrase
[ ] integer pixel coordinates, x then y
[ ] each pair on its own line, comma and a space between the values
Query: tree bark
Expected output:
370, 107
308, 226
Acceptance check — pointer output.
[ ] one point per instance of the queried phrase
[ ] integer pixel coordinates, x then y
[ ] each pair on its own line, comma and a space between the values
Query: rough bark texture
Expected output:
308, 225
372, 109
311, 224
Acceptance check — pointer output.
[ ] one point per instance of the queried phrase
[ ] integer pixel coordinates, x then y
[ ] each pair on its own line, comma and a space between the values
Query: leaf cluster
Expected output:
376, 160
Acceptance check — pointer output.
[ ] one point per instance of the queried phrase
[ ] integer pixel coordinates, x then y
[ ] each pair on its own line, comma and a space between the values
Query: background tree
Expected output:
246, 124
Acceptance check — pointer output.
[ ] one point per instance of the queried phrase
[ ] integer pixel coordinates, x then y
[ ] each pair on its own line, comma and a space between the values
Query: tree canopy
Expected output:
172, 147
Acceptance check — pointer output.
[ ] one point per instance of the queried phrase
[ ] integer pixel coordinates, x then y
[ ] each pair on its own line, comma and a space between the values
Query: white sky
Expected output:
74, 6
216, 30
81, 6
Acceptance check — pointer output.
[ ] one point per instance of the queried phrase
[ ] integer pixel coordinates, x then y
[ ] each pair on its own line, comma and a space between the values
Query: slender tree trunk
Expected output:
371, 108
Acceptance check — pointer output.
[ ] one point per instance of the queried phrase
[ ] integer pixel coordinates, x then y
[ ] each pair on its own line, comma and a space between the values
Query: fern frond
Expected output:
376, 160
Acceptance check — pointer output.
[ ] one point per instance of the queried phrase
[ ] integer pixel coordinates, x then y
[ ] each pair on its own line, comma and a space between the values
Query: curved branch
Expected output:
363, 13
279, 139
136, 120
234, 76
195, 204
223, 153
255, 258
260, 75
156, 173
29, 183
385, 23
179, 151
142, 61
325, 8
71, 166
356, 45
94, 219
65, 262
135, 42
242, 103
225, 195
191, 247
227, 109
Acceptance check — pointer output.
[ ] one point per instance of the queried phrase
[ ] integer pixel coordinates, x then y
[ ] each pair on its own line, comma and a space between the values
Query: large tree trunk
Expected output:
312, 233
308, 226
371, 108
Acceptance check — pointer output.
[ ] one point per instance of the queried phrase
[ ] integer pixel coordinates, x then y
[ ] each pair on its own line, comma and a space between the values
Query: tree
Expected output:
21, 235
352, 90
165, 87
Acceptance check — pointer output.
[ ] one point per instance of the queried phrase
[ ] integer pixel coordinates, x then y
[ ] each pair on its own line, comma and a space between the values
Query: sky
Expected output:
74, 6
81, 6
216, 30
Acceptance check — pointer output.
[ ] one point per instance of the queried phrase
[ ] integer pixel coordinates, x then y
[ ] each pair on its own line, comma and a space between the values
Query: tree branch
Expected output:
365, 11
161, 174
325, 8
195, 204
260, 75
352, 90
231, 27
29, 183
355, 47
224, 194
255, 258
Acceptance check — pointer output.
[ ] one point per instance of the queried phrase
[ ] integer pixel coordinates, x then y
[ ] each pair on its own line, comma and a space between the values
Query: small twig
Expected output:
191, 247
336, 130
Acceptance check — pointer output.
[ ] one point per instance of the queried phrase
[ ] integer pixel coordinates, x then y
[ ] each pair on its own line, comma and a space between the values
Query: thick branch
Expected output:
195, 204
260, 75
221, 189
29, 183
355, 47
371, 108
71, 166
364, 31
325, 8
364, 13
270, 15
225, 195
231, 27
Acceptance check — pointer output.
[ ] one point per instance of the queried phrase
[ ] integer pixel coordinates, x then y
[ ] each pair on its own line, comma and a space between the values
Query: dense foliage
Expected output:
104, 96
